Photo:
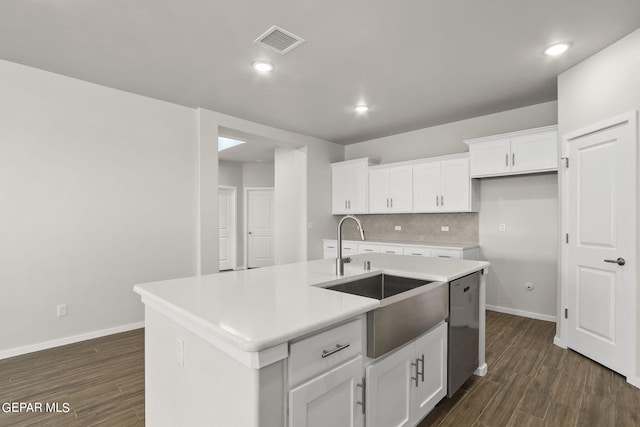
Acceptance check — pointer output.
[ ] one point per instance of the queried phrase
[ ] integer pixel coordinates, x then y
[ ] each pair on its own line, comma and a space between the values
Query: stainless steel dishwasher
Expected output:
464, 318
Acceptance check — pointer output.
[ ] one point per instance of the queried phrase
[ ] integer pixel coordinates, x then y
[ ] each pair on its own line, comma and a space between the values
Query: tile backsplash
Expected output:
463, 227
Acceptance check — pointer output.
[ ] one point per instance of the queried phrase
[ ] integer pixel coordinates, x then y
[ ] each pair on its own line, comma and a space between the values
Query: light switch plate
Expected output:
398, 228
503, 227
444, 228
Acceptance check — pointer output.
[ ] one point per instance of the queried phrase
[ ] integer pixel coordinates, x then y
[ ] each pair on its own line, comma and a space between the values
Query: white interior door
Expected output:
260, 248
600, 219
227, 227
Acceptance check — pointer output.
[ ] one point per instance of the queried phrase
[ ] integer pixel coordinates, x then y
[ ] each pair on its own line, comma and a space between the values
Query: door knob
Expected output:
619, 261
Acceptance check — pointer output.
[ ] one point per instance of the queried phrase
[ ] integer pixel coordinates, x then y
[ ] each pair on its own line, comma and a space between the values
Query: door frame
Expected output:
234, 225
629, 119
245, 220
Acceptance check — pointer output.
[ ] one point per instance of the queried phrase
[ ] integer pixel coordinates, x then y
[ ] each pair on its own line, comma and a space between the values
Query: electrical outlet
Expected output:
62, 310
444, 228
528, 286
398, 228
180, 351
503, 227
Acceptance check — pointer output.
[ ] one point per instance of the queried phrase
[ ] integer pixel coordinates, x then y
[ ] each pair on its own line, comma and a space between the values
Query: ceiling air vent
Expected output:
280, 40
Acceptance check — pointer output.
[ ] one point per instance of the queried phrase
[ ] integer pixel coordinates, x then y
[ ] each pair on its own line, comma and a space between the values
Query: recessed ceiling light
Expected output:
557, 49
361, 109
262, 66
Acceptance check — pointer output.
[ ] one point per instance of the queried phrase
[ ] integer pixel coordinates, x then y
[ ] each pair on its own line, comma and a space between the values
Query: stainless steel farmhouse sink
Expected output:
408, 308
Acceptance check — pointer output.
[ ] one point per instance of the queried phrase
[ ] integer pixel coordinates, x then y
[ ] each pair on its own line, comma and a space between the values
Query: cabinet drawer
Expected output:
367, 248
416, 251
321, 352
396, 250
446, 253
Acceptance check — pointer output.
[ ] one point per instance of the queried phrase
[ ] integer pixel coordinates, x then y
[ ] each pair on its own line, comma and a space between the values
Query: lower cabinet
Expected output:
331, 399
405, 385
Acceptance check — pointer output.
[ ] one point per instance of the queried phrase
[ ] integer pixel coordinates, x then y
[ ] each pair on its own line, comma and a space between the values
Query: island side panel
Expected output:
482, 364
210, 388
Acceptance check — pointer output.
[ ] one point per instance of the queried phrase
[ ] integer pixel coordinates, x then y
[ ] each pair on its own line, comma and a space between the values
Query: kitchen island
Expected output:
217, 347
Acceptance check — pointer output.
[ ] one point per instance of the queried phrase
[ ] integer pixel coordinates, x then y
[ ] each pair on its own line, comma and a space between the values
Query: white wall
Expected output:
101, 189
97, 193
603, 86
290, 205
502, 200
258, 174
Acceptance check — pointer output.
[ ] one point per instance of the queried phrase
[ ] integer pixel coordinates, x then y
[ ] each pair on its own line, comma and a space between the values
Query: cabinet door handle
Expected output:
416, 377
363, 402
387, 202
513, 159
437, 203
441, 200
391, 201
506, 159
327, 353
421, 373
345, 204
349, 204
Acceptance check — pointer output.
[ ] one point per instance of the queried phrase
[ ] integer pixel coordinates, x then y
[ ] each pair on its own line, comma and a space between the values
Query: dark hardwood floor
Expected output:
530, 382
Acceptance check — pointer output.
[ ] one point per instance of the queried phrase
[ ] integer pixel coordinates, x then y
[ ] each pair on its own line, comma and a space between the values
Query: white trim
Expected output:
558, 341
522, 313
233, 256
634, 381
19, 351
510, 134
481, 371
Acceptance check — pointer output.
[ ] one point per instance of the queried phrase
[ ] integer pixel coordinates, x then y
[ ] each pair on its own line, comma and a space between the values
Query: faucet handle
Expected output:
346, 260
367, 265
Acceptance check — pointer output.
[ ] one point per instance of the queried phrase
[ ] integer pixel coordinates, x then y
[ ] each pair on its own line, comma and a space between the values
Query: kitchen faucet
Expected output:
341, 261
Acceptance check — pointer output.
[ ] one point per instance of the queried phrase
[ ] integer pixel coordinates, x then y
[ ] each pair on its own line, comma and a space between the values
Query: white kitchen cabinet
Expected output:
416, 251
528, 151
390, 189
331, 399
405, 385
351, 247
444, 186
325, 376
349, 186
364, 248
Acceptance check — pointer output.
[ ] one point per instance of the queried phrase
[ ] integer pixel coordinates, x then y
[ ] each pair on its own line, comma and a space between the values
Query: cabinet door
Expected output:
339, 189
389, 383
426, 187
358, 184
431, 356
455, 185
330, 399
534, 152
379, 190
490, 157
401, 189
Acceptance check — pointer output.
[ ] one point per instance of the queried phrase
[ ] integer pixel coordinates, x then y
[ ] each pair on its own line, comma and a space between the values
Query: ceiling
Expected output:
417, 63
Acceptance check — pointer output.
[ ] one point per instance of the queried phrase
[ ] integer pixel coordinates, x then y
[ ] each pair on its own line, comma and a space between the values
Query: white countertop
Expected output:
254, 310
461, 245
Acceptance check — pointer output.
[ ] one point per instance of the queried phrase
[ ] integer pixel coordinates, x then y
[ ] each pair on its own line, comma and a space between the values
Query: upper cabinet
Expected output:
528, 151
349, 186
390, 189
444, 186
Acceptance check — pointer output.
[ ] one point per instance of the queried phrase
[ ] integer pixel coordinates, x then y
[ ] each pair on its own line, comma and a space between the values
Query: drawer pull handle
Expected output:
389, 252
327, 353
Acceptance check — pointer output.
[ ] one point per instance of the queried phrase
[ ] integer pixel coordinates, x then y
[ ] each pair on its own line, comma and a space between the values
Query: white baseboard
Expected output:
521, 313
634, 381
18, 351
481, 371
557, 341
